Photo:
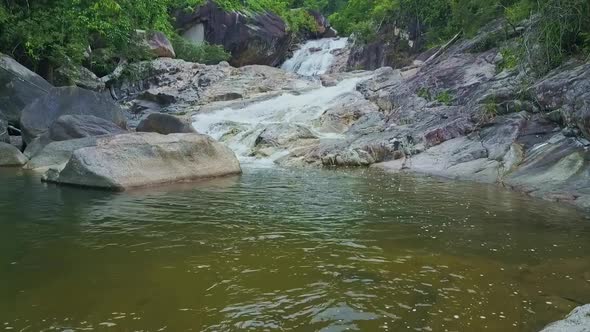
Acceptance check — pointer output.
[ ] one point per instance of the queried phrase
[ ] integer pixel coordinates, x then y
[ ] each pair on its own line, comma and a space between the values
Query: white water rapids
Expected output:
240, 128
314, 57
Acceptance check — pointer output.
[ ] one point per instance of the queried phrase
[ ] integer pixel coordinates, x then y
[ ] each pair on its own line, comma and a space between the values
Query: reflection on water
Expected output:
280, 250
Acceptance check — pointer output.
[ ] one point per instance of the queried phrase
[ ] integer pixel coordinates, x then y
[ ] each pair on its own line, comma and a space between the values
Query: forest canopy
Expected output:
46, 33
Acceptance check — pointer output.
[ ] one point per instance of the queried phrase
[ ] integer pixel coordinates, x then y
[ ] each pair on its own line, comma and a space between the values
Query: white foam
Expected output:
315, 57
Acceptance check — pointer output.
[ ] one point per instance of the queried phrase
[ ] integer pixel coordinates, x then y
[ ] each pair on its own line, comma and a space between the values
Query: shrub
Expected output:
444, 97
558, 31
200, 53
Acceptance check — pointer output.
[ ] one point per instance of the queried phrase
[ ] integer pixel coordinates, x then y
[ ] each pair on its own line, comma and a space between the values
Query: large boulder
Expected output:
77, 126
165, 124
157, 43
71, 74
251, 38
577, 321
141, 159
18, 87
38, 116
11, 156
68, 128
49, 154
323, 28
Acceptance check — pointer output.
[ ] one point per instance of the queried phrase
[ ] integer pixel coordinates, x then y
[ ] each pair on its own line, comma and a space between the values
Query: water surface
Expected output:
288, 250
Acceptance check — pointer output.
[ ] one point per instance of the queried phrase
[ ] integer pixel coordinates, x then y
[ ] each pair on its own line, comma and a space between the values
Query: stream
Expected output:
288, 250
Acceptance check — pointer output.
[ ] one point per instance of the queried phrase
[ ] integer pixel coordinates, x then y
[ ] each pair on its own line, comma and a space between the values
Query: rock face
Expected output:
142, 159
577, 321
38, 116
18, 87
165, 124
251, 38
393, 48
567, 92
11, 156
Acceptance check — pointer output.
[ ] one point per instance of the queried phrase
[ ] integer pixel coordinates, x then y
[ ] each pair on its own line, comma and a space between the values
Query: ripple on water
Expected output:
288, 250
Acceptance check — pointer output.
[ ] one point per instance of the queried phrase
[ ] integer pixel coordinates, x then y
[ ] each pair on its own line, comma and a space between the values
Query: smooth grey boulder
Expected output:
18, 87
165, 124
77, 126
38, 116
71, 127
143, 159
56, 154
577, 321
11, 156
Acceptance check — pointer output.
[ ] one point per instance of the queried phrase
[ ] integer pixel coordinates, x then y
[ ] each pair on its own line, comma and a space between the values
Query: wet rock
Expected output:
18, 87
577, 321
165, 124
11, 156
251, 37
38, 116
141, 159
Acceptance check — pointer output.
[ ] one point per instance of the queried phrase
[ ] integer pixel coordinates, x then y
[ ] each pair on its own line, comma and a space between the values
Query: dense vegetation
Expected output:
44, 34
558, 28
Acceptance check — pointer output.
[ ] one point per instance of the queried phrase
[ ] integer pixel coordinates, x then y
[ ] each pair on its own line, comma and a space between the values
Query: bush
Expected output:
559, 30
200, 53
445, 98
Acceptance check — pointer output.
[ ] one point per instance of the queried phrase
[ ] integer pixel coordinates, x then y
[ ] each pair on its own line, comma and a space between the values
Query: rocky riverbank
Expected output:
80, 137
461, 115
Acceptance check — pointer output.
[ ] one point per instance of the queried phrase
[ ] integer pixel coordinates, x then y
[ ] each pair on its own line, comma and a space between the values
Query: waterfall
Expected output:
240, 128
289, 118
315, 57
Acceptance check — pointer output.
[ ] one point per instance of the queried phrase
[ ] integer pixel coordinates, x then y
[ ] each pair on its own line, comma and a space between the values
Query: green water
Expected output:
288, 250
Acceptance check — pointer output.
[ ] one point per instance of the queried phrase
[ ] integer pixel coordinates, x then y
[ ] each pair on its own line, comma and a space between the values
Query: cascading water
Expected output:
315, 57
240, 128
